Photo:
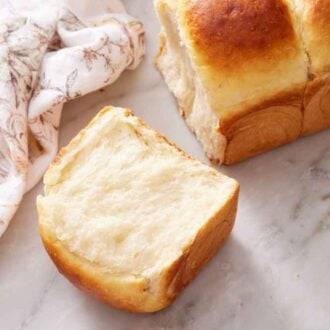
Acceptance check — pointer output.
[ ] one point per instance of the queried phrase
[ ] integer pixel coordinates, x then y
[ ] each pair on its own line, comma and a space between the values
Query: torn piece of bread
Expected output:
129, 217
240, 71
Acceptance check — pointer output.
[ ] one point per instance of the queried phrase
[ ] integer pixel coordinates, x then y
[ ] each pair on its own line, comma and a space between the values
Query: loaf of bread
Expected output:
248, 75
130, 218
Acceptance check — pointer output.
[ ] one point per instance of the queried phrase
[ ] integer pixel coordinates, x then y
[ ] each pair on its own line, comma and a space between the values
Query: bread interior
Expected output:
180, 76
124, 199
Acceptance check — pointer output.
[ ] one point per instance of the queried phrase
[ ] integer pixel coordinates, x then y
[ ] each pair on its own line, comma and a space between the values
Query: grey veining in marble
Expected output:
273, 273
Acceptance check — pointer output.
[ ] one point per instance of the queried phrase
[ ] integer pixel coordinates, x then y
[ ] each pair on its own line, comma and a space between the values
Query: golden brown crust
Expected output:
317, 105
316, 32
240, 30
135, 295
262, 131
320, 14
205, 245
315, 17
292, 98
268, 125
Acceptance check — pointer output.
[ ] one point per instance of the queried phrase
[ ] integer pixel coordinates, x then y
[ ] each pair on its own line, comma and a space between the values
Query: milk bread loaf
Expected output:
248, 75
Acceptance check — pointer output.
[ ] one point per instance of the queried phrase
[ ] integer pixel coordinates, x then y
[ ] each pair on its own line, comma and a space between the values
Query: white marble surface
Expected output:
273, 273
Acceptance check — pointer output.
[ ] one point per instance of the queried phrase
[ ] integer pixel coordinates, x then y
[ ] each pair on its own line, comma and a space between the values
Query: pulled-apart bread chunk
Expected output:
129, 217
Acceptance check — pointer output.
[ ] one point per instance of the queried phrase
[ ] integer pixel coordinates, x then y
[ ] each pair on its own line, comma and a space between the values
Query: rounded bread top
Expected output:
229, 34
244, 51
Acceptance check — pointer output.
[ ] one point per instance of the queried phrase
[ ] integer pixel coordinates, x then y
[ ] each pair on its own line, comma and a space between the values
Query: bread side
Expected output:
179, 74
134, 241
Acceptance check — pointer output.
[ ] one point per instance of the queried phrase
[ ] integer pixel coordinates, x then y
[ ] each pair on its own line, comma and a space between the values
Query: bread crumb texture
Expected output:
125, 199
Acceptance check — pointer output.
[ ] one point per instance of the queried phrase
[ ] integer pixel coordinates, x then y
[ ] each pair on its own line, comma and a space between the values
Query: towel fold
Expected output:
52, 52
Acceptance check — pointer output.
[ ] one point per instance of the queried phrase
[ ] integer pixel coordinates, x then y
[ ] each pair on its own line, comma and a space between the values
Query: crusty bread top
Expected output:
315, 27
122, 197
245, 51
230, 34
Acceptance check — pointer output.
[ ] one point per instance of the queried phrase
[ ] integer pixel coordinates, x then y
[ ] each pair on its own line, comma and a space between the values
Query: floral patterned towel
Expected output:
51, 52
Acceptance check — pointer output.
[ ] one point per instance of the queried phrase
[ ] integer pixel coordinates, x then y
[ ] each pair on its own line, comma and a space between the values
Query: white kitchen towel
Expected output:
51, 52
